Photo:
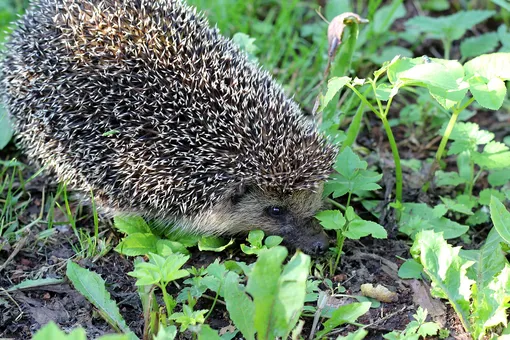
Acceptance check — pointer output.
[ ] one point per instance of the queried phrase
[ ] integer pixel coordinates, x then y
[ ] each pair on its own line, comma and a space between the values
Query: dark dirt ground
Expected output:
369, 261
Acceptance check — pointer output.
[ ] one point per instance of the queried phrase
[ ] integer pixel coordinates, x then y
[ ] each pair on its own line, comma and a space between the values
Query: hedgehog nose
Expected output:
320, 247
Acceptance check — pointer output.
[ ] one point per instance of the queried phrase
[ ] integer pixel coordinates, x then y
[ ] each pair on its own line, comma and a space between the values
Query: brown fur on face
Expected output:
250, 211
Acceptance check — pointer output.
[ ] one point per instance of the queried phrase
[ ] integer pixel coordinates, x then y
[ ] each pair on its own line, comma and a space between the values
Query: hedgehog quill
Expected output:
203, 138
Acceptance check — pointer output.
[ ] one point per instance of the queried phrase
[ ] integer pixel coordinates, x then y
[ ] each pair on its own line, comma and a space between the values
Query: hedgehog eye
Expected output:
275, 211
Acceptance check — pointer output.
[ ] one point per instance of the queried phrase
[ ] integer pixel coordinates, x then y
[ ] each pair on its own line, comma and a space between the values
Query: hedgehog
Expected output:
157, 114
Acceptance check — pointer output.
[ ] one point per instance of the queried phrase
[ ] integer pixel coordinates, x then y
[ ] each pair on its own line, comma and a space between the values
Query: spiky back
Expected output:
145, 104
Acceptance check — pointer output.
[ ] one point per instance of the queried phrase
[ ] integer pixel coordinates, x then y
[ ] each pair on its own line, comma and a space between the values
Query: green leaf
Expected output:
160, 269
131, 224
278, 296
418, 216
474, 46
52, 331
273, 241
166, 247
27, 284
443, 78
92, 287
489, 66
495, 155
489, 93
342, 315
138, 244
6, 130
240, 307
499, 177
331, 219
361, 228
461, 204
206, 333
335, 84
167, 333
216, 244
492, 274
448, 178
410, 270
449, 27
247, 44
501, 218
447, 271
486, 194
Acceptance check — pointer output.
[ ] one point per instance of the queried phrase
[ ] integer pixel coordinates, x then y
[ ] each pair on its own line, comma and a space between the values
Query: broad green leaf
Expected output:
504, 37
166, 247
410, 270
160, 269
495, 155
499, 177
240, 307
167, 333
447, 271
501, 218
131, 224
263, 285
418, 216
505, 4
492, 274
489, 93
348, 163
489, 66
361, 228
278, 296
216, 244
92, 287
138, 244
273, 241
6, 130
486, 194
331, 219
52, 331
342, 315
448, 178
443, 78
463, 207
334, 85
475, 46
255, 238
449, 27
206, 333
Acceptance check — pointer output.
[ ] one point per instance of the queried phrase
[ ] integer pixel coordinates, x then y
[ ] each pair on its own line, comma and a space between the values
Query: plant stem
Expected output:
396, 159
449, 129
336, 204
340, 244
364, 100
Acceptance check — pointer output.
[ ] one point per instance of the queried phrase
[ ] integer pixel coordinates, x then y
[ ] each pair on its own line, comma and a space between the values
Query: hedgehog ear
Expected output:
240, 190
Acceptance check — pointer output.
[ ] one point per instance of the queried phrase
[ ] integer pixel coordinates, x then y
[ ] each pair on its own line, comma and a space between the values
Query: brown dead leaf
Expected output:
422, 297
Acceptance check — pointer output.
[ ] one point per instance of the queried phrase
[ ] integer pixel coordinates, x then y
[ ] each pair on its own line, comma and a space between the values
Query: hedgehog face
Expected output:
288, 215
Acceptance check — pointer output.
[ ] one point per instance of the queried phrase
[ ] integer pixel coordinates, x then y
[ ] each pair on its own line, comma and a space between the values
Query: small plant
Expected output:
475, 282
255, 238
352, 177
416, 329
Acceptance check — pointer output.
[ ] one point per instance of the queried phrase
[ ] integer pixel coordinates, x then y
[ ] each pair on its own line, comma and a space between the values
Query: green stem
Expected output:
396, 159
364, 100
340, 244
336, 204
449, 129
168, 299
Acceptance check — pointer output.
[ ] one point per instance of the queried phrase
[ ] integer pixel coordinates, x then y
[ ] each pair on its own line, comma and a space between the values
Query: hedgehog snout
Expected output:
306, 235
